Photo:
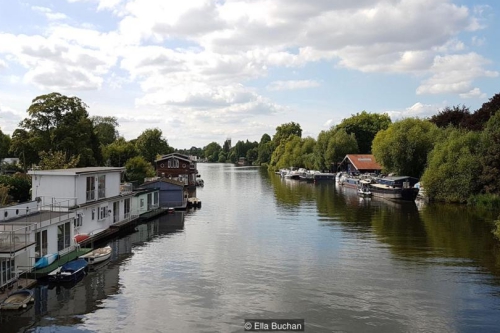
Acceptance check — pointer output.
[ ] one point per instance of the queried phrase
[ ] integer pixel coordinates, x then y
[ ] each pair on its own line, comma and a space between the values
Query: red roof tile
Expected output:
363, 162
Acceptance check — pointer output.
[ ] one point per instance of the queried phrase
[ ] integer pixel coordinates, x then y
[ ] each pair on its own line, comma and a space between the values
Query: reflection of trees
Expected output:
462, 232
290, 192
339, 205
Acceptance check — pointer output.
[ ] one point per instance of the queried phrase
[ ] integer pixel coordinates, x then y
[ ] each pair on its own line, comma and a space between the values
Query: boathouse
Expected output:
172, 192
178, 167
360, 163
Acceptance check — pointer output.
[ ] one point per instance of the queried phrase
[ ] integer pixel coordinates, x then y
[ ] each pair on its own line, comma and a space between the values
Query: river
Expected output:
268, 248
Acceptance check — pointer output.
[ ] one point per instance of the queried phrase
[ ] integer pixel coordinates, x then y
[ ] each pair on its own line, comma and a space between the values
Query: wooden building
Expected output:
177, 167
360, 163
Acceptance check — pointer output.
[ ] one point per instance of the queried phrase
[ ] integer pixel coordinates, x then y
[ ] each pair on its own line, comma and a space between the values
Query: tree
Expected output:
252, 155
456, 116
119, 152
285, 131
490, 155
151, 143
484, 113
105, 129
4, 145
403, 147
339, 145
365, 126
19, 186
453, 171
227, 146
22, 148
264, 149
212, 151
59, 123
137, 168
57, 160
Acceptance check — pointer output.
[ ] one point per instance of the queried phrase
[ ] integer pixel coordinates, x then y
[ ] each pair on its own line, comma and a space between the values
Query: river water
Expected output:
267, 248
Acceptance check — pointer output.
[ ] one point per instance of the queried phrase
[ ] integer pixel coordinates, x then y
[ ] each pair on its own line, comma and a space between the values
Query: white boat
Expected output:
98, 255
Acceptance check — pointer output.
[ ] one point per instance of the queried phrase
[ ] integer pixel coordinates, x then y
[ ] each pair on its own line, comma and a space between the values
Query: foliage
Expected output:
119, 152
285, 131
457, 116
490, 155
212, 151
19, 186
4, 145
252, 155
137, 168
365, 126
403, 147
193, 151
151, 143
57, 160
4, 194
21, 147
227, 146
296, 152
332, 146
59, 123
105, 129
453, 171
486, 201
241, 148
222, 157
264, 150
10, 168
485, 112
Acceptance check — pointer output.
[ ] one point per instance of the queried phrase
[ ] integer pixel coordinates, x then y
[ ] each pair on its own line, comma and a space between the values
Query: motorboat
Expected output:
18, 299
98, 255
46, 260
70, 271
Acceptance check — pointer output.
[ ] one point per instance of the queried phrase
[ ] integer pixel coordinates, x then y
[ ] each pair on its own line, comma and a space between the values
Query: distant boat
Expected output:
98, 255
18, 299
70, 271
46, 260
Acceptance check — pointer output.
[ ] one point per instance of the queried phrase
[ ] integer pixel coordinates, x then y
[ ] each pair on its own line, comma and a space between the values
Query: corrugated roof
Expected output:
364, 162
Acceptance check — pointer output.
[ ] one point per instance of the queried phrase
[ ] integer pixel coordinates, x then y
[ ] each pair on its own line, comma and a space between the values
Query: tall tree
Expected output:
105, 129
264, 149
59, 123
57, 160
403, 147
137, 168
212, 151
484, 113
339, 144
151, 143
452, 173
119, 152
4, 145
457, 116
490, 155
285, 131
365, 126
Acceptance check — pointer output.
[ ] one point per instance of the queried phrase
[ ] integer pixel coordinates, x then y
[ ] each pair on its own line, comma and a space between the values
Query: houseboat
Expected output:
177, 167
395, 188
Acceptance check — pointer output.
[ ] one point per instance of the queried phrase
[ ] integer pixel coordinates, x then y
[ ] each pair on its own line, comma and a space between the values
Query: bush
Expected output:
486, 201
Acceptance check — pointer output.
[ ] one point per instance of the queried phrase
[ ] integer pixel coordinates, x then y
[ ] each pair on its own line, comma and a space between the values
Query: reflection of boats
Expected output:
394, 188
46, 260
364, 188
18, 299
69, 271
98, 255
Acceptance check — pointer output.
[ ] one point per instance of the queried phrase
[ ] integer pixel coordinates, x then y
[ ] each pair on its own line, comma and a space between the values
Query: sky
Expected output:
208, 70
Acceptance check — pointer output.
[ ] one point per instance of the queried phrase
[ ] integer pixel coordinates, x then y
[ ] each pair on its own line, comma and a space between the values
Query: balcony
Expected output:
126, 188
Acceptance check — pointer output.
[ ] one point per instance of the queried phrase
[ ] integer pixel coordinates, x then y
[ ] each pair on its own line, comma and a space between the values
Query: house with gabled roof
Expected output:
177, 167
360, 163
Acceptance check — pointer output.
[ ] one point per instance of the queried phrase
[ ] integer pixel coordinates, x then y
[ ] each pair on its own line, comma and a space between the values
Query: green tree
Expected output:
403, 147
22, 148
119, 152
4, 145
453, 172
222, 157
212, 151
151, 143
252, 155
227, 146
264, 149
19, 186
340, 144
365, 126
137, 168
285, 131
456, 116
59, 123
57, 160
105, 129
490, 155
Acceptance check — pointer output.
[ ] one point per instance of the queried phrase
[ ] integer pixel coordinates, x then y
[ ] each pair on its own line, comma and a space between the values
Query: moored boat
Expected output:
46, 260
70, 271
18, 299
395, 188
98, 255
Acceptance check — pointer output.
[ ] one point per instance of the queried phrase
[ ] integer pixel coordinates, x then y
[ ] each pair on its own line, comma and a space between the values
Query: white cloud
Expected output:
418, 109
49, 13
474, 93
455, 74
3, 64
292, 85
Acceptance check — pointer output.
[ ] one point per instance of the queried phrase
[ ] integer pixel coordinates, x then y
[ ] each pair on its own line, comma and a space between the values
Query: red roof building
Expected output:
360, 163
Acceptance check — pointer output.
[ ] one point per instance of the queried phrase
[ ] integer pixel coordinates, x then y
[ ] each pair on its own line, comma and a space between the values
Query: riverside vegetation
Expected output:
455, 153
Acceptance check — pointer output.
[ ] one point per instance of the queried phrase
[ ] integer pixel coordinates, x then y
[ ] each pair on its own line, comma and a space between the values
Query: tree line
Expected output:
456, 153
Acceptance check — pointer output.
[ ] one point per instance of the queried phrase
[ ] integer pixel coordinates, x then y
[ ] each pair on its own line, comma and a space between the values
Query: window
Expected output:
101, 187
63, 236
142, 203
103, 213
90, 188
155, 201
6, 270
116, 211
173, 163
126, 208
93, 214
150, 200
41, 243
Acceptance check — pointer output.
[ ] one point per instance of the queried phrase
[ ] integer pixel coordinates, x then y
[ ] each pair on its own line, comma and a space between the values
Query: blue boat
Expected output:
46, 260
70, 271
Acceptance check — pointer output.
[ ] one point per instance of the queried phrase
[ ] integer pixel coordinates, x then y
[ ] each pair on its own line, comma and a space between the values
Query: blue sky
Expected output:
204, 71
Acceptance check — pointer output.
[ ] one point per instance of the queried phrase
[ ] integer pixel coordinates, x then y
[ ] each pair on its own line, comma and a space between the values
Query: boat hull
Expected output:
407, 194
17, 300
46, 260
69, 272
97, 256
